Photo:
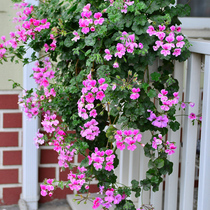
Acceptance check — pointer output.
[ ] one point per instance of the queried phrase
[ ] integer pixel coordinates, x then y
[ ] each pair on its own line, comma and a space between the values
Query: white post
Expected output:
171, 181
30, 190
204, 172
190, 134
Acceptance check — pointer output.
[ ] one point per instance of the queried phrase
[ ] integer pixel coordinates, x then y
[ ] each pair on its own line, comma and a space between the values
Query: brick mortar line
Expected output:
10, 129
10, 149
7, 167
10, 185
1, 158
10, 92
6, 111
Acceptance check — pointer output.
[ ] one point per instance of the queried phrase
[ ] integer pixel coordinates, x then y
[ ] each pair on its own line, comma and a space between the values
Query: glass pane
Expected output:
199, 8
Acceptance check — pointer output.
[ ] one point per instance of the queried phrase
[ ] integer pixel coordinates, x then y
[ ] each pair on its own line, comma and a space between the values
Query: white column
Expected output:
190, 134
204, 172
171, 181
30, 190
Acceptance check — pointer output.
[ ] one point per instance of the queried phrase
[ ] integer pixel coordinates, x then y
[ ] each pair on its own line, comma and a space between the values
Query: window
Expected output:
199, 8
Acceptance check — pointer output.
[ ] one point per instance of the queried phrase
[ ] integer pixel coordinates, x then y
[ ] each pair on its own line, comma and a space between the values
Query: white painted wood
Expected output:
195, 23
171, 181
204, 172
190, 134
145, 195
200, 46
30, 189
157, 198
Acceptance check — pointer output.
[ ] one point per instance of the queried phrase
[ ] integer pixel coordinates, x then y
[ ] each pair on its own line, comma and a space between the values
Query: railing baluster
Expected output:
204, 172
171, 181
144, 198
190, 134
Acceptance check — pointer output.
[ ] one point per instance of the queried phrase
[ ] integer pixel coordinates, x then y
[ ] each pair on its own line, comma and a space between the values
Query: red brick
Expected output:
93, 188
8, 176
48, 173
64, 174
12, 120
48, 156
12, 158
8, 139
8, 101
11, 195
58, 194
82, 157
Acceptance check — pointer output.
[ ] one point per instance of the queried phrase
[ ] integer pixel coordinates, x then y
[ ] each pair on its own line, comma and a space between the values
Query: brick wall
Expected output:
48, 168
10, 148
11, 155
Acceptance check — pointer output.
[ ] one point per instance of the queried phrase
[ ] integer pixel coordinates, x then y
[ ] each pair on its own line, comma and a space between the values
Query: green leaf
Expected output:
155, 76
134, 183
174, 125
68, 42
88, 52
141, 5
85, 162
90, 40
152, 93
159, 163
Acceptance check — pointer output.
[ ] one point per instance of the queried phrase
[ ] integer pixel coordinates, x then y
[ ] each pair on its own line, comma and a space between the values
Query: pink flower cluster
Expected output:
52, 45
87, 23
90, 93
128, 45
129, 137
126, 3
42, 75
111, 197
167, 103
102, 159
28, 29
157, 141
169, 42
170, 148
47, 188
135, 93
160, 121
30, 105
50, 122
39, 140
77, 180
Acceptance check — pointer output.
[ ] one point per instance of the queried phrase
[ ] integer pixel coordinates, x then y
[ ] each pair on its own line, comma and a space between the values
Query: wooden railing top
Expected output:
200, 46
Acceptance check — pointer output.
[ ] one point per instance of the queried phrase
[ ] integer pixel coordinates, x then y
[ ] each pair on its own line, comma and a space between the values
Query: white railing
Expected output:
179, 191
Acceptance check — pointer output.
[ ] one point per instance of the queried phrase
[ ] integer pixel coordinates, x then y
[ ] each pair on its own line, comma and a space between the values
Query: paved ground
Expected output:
53, 205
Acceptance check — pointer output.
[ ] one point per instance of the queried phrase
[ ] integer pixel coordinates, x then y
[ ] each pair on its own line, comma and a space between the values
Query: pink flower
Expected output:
101, 81
141, 46
108, 55
92, 29
97, 15
89, 98
93, 113
115, 65
178, 29
151, 31
77, 37
85, 30
161, 28
192, 116
183, 105
177, 52
100, 95
97, 202
120, 50
192, 104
